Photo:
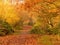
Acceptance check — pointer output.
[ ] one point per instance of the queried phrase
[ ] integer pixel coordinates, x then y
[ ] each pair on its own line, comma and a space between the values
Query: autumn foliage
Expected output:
43, 14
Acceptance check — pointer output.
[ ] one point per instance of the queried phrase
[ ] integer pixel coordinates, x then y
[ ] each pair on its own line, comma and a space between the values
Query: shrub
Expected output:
53, 30
37, 30
19, 25
5, 28
48, 31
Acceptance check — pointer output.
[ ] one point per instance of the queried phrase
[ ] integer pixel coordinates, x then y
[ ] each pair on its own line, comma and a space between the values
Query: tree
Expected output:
46, 10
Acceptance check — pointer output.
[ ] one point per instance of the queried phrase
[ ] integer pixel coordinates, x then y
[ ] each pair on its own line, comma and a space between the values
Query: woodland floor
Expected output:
30, 39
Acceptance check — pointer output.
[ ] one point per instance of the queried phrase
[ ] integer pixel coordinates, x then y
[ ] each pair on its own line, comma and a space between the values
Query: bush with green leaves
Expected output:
19, 25
53, 30
37, 30
48, 30
5, 28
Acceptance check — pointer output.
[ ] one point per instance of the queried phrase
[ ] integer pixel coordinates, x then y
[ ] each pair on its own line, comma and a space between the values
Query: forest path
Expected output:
25, 30
18, 40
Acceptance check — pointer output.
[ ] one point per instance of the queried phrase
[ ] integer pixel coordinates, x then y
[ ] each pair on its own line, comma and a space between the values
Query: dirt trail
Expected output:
18, 40
26, 30
26, 39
